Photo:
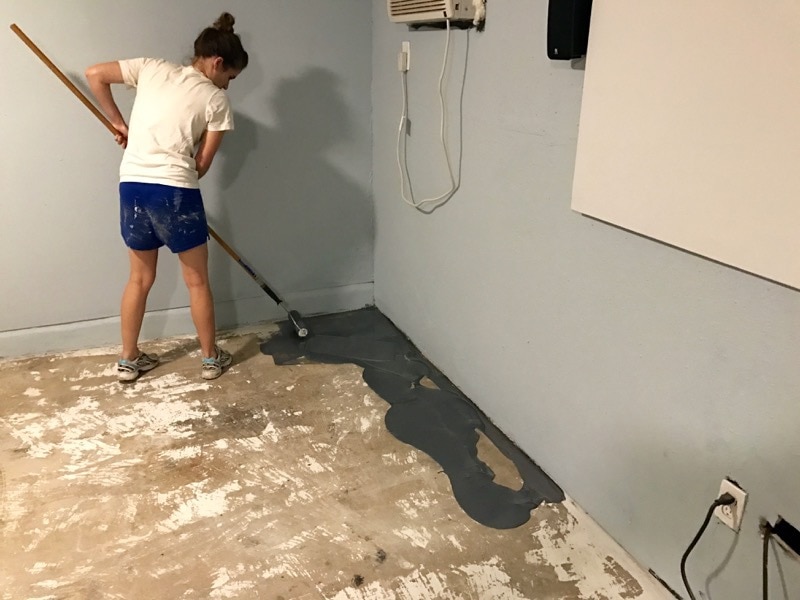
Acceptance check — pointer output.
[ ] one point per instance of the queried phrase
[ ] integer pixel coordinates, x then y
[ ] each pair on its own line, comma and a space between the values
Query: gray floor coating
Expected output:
437, 419
274, 481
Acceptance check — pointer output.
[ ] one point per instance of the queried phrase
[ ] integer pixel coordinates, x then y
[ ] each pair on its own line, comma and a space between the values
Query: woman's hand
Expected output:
206, 149
122, 134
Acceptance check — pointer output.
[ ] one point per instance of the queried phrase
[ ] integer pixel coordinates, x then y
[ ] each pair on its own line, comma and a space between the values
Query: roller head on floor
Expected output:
298, 324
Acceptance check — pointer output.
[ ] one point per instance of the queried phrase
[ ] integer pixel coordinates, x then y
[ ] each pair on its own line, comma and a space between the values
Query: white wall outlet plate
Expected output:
731, 514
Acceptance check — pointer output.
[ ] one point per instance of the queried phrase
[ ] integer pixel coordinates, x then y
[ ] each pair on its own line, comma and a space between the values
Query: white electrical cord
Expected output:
402, 163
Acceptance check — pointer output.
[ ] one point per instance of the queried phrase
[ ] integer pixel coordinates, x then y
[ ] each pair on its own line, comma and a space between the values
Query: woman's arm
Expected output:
100, 78
209, 144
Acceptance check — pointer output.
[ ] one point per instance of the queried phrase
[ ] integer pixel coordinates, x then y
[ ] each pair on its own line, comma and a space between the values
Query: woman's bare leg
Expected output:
194, 265
134, 298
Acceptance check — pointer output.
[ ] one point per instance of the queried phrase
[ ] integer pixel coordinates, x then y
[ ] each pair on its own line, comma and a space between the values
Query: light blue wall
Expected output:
290, 189
637, 375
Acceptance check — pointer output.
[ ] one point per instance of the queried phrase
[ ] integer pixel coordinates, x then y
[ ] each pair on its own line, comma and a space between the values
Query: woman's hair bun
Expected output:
220, 40
225, 22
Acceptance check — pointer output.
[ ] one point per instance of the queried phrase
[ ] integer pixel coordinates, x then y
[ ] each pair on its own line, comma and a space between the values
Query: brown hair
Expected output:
220, 40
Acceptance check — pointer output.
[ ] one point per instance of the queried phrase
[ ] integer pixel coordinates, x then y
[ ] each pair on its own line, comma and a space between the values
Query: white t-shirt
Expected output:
174, 106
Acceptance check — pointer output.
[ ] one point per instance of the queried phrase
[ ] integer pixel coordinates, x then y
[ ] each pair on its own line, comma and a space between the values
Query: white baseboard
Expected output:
177, 321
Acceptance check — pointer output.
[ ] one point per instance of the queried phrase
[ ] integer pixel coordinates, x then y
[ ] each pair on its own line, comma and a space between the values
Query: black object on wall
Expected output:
568, 28
788, 535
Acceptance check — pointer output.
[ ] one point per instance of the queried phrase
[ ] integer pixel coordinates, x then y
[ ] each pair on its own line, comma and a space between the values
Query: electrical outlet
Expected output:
406, 47
731, 514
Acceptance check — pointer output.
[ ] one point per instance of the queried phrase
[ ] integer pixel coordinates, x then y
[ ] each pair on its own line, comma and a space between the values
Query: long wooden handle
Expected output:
248, 269
224, 245
232, 253
80, 95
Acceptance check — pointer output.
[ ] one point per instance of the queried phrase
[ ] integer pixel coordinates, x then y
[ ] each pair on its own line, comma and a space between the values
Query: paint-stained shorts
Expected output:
154, 215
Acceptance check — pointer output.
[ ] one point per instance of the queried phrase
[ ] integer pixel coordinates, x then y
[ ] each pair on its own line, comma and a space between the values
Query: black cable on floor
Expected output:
724, 500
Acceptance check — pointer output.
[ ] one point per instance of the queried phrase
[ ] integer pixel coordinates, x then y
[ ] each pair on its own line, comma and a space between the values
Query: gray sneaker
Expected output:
129, 370
212, 367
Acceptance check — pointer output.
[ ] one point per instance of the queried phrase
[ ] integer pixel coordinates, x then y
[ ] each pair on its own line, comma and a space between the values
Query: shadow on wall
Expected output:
285, 207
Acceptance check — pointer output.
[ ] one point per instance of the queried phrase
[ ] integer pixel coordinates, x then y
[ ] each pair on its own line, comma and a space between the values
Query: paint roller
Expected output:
294, 316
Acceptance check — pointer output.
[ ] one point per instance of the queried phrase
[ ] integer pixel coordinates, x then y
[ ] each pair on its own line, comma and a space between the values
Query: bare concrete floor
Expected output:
270, 482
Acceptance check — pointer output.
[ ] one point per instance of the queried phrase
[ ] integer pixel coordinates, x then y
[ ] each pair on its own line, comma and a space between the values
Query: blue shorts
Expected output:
153, 215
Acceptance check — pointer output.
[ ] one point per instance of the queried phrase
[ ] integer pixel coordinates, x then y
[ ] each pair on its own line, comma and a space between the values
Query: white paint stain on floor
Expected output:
419, 537
486, 581
271, 482
193, 502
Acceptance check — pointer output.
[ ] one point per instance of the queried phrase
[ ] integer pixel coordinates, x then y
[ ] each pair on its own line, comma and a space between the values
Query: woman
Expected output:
176, 126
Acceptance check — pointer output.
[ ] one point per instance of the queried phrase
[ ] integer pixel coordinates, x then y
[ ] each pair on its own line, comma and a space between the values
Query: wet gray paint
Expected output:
442, 422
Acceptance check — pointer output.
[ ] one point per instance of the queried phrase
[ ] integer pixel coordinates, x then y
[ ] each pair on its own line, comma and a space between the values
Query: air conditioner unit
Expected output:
430, 11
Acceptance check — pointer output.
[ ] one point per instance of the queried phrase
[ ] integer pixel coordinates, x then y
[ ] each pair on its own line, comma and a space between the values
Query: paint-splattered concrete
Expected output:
270, 482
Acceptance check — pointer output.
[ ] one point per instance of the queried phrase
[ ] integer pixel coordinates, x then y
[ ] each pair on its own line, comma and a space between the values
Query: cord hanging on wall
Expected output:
431, 13
427, 204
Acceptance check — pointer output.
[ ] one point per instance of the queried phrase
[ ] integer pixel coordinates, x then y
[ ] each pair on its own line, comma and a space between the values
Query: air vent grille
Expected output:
403, 8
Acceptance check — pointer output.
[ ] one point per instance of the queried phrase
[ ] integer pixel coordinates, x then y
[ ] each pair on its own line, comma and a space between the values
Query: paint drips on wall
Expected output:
426, 411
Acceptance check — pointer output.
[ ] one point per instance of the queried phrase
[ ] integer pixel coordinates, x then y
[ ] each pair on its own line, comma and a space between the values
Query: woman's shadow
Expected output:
297, 219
